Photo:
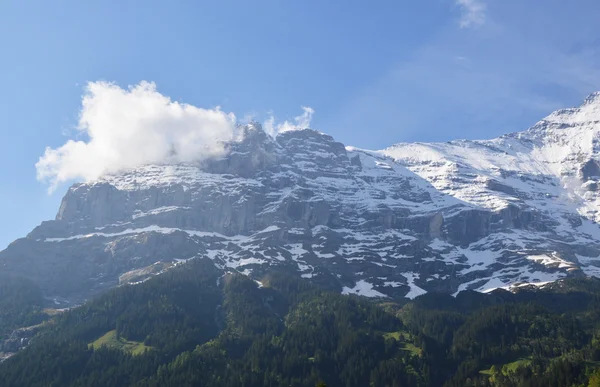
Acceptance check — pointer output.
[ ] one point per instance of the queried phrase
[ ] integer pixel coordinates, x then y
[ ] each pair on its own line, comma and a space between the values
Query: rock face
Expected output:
16, 341
398, 222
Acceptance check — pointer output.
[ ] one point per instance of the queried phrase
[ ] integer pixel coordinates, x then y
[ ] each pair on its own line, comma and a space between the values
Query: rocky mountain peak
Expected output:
586, 116
251, 134
592, 99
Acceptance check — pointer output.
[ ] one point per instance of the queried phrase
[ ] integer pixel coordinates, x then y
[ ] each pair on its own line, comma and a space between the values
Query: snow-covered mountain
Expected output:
399, 222
550, 172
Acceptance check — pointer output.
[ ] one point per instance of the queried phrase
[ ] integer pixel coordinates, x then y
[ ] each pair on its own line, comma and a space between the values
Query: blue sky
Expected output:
375, 73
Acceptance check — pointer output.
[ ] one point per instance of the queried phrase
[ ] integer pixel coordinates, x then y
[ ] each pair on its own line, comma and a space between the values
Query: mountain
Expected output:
410, 219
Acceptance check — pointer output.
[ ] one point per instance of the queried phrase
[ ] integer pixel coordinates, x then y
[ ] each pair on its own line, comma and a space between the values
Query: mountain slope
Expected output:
400, 222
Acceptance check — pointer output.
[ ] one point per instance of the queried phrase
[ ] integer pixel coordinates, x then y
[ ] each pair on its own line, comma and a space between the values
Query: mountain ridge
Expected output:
403, 221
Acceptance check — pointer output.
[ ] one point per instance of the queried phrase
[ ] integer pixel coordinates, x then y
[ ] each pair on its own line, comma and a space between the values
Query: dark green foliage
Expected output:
206, 329
324, 338
173, 312
557, 327
209, 330
21, 304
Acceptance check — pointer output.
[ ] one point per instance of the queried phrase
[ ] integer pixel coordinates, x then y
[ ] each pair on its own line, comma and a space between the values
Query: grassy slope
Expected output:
111, 340
509, 367
406, 339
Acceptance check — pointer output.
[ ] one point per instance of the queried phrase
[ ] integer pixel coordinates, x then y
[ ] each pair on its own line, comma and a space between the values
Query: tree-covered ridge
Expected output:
536, 337
206, 328
197, 326
21, 304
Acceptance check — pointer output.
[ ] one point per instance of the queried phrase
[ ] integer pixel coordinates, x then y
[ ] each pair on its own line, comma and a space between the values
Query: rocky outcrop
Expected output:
16, 341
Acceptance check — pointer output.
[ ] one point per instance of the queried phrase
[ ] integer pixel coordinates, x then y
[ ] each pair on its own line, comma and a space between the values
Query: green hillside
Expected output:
196, 326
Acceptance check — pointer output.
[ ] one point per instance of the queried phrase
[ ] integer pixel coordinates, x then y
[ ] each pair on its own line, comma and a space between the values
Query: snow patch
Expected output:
414, 291
363, 288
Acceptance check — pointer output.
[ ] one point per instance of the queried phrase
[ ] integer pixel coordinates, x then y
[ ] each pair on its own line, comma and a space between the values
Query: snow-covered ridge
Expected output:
188, 175
550, 167
137, 231
399, 222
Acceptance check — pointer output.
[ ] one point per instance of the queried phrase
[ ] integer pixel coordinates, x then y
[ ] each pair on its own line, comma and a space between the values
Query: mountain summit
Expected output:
399, 222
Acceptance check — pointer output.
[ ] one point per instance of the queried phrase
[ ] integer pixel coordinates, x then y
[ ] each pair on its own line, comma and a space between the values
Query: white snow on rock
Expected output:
414, 291
156, 211
363, 288
130, 231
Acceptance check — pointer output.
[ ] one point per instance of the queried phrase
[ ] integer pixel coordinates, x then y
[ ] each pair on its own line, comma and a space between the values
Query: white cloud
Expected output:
300, 122
125, 128
473, 13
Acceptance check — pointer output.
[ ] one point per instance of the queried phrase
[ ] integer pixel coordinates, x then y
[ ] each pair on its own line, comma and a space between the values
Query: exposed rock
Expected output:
590, 170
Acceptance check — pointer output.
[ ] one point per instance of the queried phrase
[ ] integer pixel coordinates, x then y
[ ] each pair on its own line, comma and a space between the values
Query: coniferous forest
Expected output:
192, 326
